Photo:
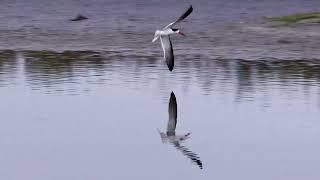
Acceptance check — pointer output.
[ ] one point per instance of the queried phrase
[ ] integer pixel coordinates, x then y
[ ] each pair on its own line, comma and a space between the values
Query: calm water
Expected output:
85, 100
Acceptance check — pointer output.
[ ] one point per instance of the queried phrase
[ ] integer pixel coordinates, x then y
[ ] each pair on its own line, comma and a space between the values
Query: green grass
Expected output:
295, 18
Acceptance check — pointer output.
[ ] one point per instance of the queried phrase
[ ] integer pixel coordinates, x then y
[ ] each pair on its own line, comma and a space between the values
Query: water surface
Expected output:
84, 100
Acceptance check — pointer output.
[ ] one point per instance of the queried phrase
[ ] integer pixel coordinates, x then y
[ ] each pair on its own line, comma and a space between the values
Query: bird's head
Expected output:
177, 31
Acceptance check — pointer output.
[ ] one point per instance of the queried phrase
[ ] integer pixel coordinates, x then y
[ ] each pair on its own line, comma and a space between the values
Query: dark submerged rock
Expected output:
79, 18
284, 41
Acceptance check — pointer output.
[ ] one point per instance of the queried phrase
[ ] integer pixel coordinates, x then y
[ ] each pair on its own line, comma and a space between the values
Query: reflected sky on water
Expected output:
86, 114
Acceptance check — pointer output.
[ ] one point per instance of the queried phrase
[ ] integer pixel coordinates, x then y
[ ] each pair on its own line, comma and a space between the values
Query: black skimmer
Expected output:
176, 140
164, 35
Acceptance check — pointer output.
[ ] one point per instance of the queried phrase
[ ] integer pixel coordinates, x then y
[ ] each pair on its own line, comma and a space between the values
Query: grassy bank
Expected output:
313, 17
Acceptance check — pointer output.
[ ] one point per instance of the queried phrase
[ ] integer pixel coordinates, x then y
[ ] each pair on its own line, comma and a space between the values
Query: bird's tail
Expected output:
162, 136
156, 36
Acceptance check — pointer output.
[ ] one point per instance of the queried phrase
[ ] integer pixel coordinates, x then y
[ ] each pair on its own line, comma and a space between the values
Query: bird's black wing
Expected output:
167, 51
191, 155
172, 122
182, 17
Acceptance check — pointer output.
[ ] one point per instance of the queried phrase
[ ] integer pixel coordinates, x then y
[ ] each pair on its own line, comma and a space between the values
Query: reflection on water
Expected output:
8, 67
74, 72
50, 69
246, 116
177, 140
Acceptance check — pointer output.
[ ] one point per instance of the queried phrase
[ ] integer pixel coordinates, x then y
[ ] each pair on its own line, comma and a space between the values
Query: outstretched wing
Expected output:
167, 51
171, 128
191, 155
182, 17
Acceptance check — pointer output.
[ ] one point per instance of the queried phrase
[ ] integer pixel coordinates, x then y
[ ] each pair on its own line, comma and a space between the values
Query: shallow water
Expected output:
82, 101
230, 30
84, 115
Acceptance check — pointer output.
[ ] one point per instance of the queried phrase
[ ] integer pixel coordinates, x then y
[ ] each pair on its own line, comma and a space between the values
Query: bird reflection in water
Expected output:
176, 140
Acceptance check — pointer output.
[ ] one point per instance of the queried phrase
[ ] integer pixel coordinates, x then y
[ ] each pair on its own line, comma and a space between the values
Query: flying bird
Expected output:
164, 36
176, 140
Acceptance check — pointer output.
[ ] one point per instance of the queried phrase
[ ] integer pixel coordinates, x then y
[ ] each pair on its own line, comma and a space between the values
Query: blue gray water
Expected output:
85, 100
